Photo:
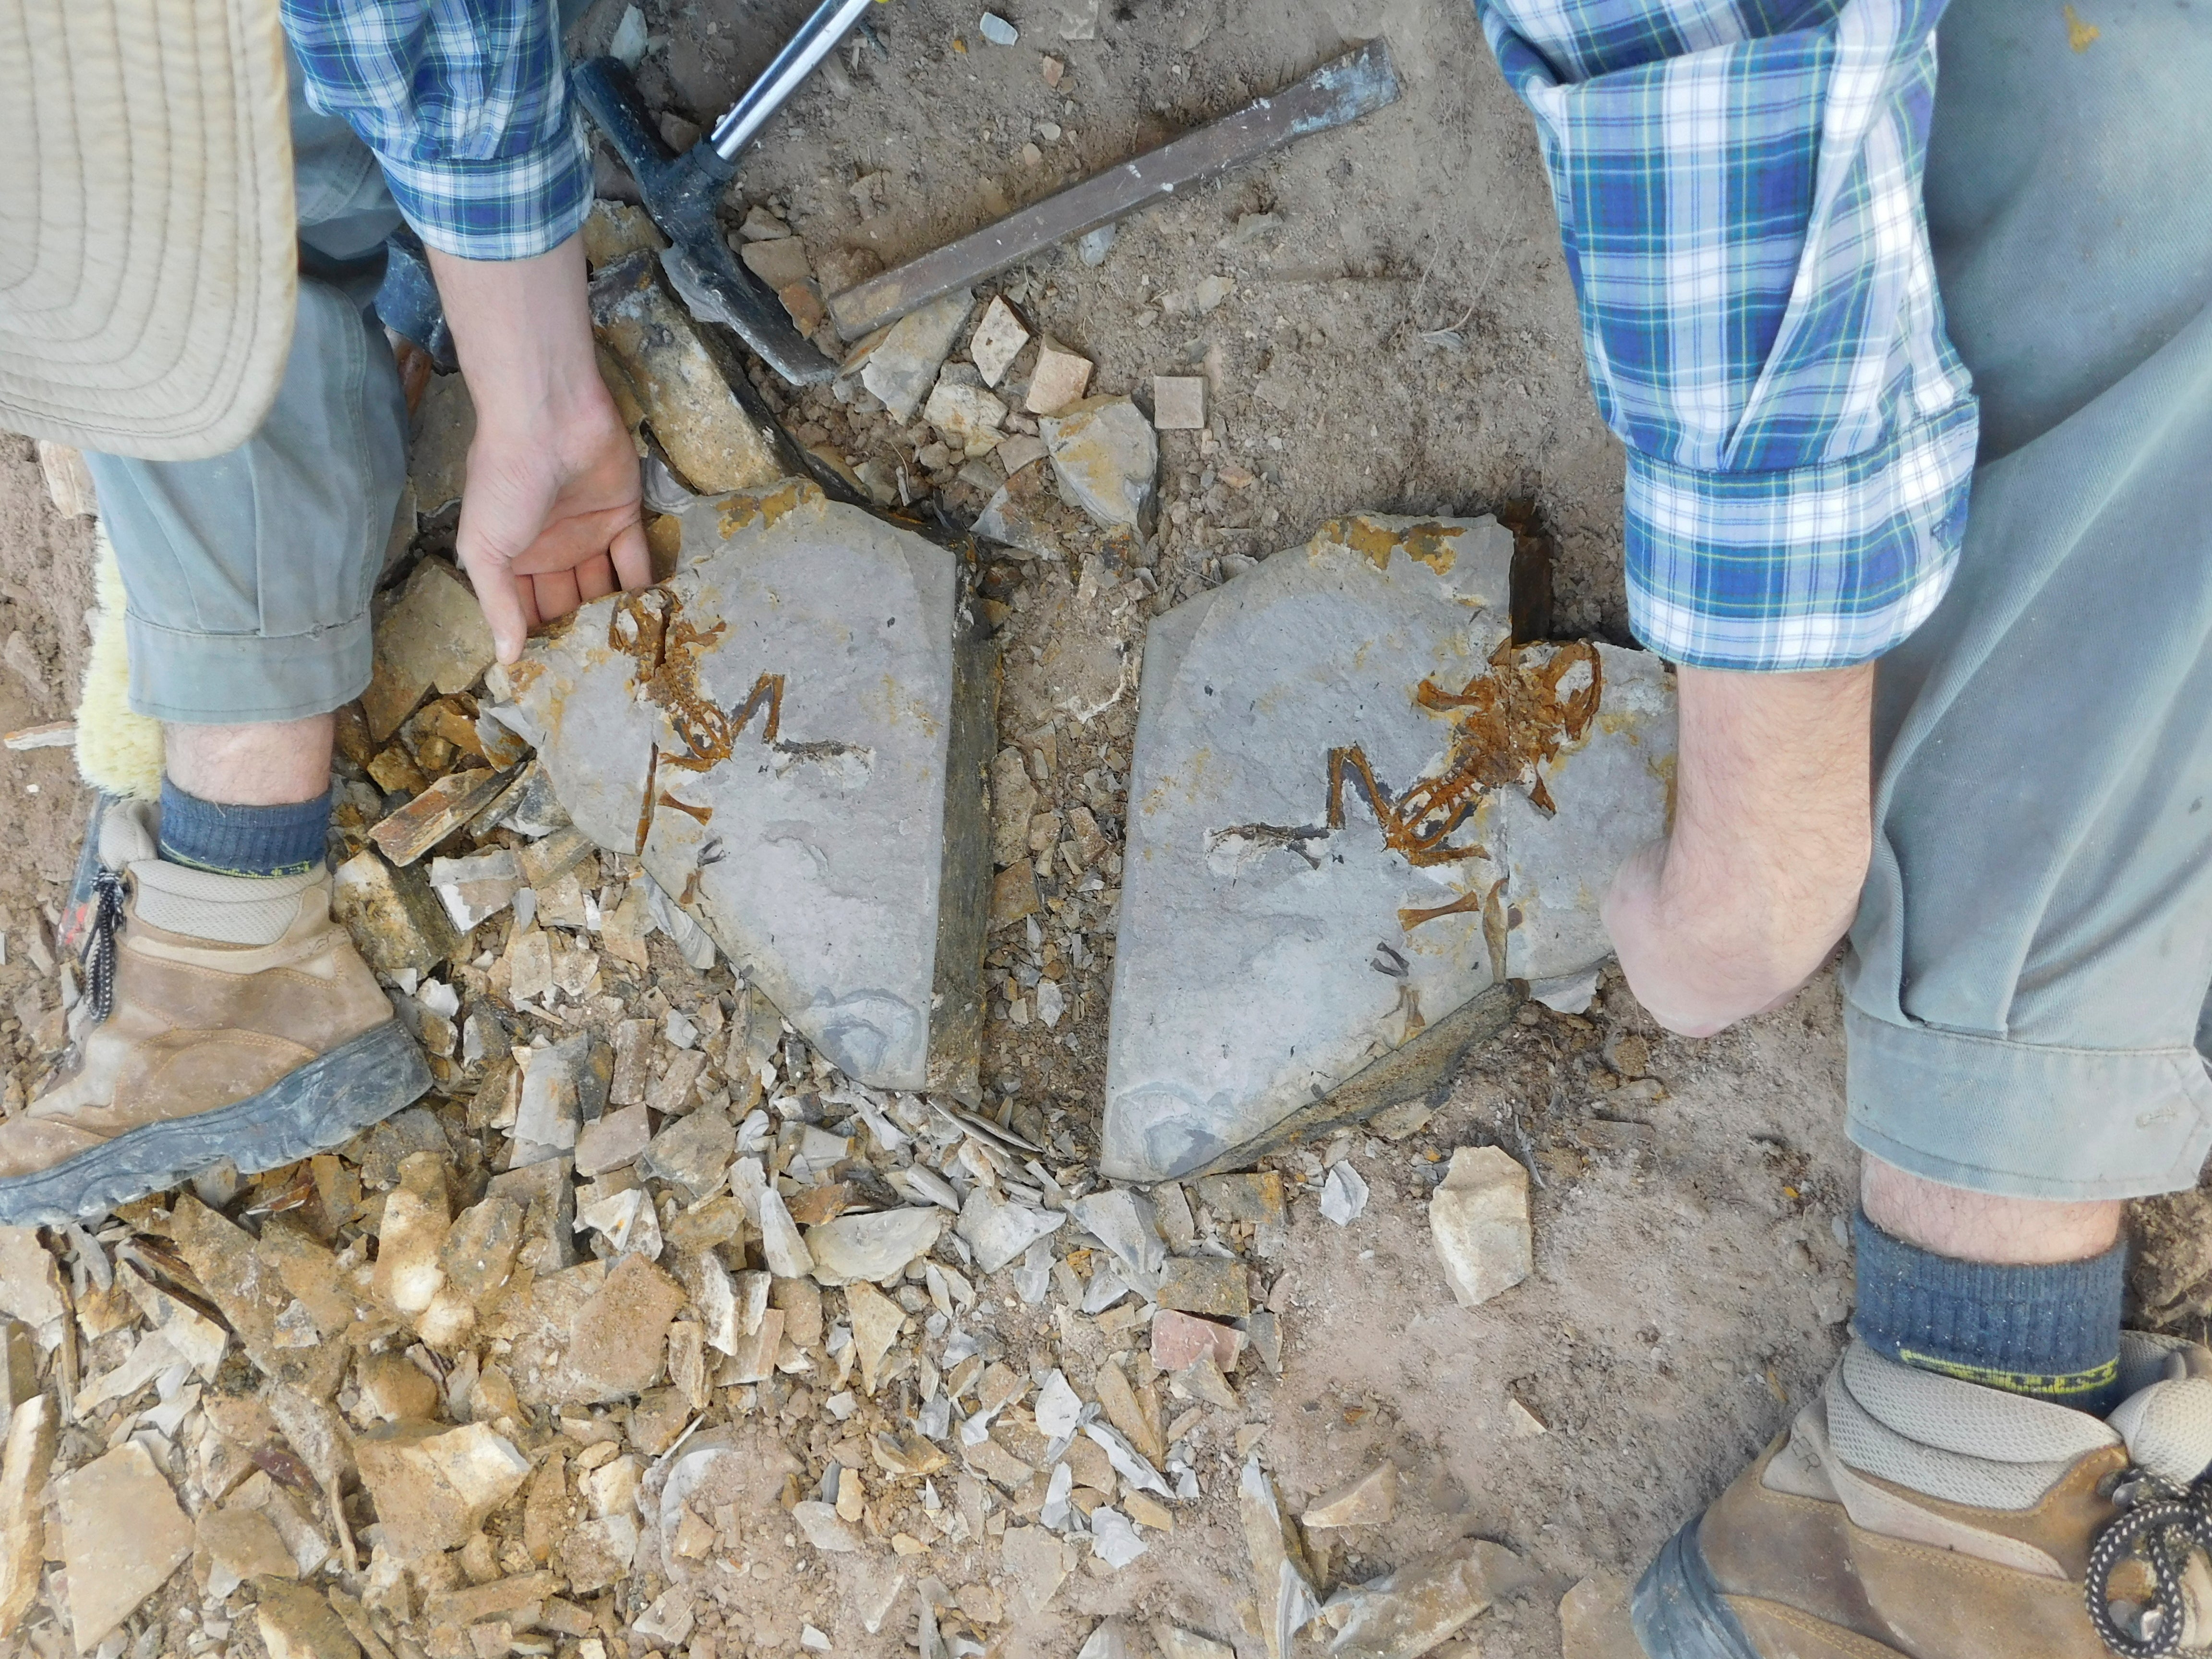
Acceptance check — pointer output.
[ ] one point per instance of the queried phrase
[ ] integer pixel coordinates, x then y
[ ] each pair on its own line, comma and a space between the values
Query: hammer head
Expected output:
681, 193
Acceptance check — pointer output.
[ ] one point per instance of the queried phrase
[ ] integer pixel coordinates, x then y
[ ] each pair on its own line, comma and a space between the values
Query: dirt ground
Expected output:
1400, 337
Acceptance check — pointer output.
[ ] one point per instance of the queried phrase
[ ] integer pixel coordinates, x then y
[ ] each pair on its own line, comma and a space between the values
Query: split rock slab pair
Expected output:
1356, 807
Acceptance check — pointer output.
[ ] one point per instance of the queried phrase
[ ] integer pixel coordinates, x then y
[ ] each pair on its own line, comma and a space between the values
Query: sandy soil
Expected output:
1400, 337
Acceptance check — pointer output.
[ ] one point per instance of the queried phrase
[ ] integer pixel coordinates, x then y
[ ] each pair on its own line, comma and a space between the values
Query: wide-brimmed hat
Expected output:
147, 256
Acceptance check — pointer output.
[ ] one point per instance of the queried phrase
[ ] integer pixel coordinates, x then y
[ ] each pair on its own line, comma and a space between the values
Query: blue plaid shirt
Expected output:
1738, 186
465, 103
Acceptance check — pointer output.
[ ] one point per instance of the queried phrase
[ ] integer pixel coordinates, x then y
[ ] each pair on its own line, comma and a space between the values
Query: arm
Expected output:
1772, 827
464, 103
1738, 188
550, 516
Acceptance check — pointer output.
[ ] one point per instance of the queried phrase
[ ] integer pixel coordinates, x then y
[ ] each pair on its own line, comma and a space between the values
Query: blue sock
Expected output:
243, 840
2052, 1333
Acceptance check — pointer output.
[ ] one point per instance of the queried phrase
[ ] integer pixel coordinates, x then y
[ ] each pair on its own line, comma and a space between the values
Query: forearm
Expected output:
550, 513
1760, 874
522, 329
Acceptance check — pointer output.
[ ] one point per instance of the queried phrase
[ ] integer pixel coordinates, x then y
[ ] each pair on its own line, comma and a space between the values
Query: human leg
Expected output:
227, 1015
2035, 941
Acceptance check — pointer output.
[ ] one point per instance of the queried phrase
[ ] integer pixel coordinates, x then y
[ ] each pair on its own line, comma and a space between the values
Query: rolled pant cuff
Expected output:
244, 679
2019, 1120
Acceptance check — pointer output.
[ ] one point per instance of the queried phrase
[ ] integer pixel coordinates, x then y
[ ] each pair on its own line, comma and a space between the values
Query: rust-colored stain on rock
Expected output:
1429, 544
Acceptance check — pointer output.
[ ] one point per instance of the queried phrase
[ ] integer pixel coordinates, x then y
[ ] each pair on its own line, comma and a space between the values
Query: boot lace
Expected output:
2160, 1525
100, 943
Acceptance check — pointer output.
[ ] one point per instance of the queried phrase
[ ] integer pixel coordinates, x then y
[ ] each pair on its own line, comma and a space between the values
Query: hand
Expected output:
550, 513
551, 520
1760, 876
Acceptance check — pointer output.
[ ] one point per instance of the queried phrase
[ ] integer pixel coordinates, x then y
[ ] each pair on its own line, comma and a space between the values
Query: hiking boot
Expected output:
223, 1016
1909, 1514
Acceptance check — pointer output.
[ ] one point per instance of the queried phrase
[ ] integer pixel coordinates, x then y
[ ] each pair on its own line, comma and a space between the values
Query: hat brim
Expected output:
148, 249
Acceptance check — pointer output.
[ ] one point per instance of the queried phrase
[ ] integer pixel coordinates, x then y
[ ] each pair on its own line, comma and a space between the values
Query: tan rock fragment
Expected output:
298, 1623
1479, 1218
480, 1249
409, 1274
1205, 1284
404, 835
684, 379
395, 1388
1594, 1620
1176, 1642
1126, 1412
547, 1510
1057, 380
1013, 801
998, 340
433, 1486
434, 635
1282, 1577
1014, 893
613, 229
754, 1360
1367, 1501
237, 1543
876, 1320
1202, 1380
966, 417
240, 1276
1406, 1613
30, 1284
395, 919
122, 1533
619, 1336
24, 1467
597, 1554
1036, 1564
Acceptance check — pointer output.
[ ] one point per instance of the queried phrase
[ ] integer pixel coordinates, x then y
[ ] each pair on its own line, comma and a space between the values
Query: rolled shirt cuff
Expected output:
506, 207
1823, 566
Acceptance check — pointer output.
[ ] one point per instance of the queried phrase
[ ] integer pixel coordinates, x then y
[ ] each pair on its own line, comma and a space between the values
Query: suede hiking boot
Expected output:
1908, 1514
223, 1016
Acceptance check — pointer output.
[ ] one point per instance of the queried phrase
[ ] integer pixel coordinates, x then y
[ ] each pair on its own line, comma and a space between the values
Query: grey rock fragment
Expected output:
693, 1153
998, 1233
1237, 877
816, 660
902, 366
872, 1246
476, 887
1105, 457
565, 1084
1122, 1221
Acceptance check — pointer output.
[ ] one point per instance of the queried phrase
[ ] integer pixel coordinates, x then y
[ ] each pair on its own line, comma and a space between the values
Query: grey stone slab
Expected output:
1272, 949
821, 664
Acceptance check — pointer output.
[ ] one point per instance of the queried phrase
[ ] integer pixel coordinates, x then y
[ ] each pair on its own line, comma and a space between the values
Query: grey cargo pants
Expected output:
2034, 946
249, 575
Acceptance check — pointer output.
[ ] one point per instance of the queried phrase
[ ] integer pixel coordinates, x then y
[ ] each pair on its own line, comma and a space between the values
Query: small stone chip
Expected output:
1479, 1219
1205, 1284
1178, 403
1058, 379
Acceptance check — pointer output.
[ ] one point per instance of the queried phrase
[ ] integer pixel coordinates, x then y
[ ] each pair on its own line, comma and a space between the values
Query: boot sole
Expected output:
1677, 1609
324, 1105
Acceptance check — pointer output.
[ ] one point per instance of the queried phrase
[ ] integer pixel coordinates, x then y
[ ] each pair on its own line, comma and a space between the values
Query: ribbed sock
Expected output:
2051, 1333
243, 840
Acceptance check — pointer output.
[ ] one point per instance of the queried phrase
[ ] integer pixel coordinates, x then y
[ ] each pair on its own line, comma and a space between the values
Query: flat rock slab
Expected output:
1354, 806
793, 733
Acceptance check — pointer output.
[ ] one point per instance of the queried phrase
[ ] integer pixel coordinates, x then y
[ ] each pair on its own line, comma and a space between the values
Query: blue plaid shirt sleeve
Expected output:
466, 104
1738, 188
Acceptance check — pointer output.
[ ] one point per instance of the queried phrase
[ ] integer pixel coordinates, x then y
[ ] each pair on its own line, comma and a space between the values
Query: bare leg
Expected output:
274, 763
1967, 1226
